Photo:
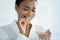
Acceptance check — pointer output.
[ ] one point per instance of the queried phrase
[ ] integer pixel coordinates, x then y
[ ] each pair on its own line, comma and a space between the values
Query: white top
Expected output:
11, 32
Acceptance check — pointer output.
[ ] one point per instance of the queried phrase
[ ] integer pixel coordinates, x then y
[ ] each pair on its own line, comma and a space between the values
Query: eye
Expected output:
33, 10
25, 9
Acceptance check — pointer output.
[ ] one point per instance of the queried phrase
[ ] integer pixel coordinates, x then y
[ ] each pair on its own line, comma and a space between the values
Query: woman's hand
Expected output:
24, 26
22, 23
48, 34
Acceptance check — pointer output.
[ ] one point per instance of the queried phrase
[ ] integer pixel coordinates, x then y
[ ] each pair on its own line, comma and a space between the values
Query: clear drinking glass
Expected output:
41, 36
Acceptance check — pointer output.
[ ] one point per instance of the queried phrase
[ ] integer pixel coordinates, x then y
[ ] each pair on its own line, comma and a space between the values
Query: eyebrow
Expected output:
28, 7
34, 7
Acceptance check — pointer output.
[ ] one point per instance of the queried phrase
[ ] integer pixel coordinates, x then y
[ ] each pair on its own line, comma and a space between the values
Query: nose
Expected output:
27, 14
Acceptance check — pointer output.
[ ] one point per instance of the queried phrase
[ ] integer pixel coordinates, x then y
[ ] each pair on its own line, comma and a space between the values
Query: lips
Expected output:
26, 17
29, 18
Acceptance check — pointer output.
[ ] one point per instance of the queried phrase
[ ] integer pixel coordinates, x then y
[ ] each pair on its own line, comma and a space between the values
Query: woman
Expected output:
23, 29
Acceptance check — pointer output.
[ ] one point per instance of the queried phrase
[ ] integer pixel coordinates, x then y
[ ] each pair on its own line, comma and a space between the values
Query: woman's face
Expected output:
26, 9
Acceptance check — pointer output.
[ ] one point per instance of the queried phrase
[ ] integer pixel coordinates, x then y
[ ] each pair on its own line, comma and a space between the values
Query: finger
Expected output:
48, 32
41, 35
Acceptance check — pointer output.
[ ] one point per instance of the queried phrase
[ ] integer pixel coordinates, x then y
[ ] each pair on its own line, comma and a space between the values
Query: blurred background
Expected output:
47, 15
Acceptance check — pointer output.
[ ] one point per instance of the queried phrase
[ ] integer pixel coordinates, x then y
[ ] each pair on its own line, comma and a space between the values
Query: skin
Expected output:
47, 34
26, 11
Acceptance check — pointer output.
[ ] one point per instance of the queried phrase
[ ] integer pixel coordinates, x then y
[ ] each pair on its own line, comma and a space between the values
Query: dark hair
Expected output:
18, 2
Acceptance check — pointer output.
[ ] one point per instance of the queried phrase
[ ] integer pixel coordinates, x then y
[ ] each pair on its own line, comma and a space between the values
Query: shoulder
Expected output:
8, 26
7, 31
5, 26
3, 35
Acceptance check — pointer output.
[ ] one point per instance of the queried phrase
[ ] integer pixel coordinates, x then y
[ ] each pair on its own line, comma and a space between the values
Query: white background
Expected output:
47, 15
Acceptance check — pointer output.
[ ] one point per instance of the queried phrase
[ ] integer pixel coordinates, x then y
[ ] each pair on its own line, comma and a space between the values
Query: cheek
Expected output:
32, 15
21, 12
